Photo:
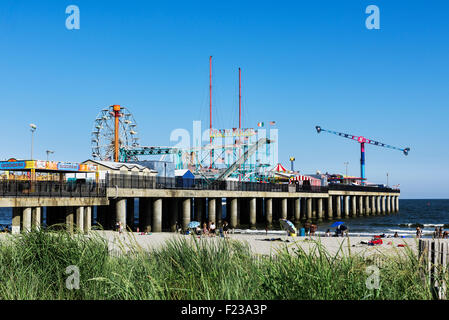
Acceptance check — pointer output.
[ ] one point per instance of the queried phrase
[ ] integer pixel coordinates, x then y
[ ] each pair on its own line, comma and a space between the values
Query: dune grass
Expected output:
32, 266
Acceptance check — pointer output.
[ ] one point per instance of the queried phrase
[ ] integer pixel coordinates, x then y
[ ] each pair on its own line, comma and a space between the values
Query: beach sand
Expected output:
260, 246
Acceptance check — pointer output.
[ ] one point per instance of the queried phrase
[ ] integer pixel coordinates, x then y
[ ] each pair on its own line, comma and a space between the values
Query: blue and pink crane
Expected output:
362, 141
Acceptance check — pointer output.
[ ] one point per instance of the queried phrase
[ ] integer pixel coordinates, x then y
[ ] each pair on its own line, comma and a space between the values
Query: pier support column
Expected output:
373, 205
212, 210
234, 211
388, 204
330, 211
338, 206
252, 213
367, 207
219, 211
320, 209
130, 213
361, 208
397, 203
173, 214
314, 206
309, 209
80, 219
185, 213
87, 219
36, 218
120, 214
346, 206
70, 219
284, 209
157, 215
269, 212
16, 217
393, 204
297, 209
353, 206
384, 209
26, 213
379, 207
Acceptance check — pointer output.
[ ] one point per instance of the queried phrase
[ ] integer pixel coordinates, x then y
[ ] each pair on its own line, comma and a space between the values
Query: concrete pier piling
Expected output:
330, 209
185, 213
87, 219
36, 218
157, 215
234, 209
297, 212
120, 212
26, 219
284, 208
80, 219
338, 207
346, 206
212, 207
252, 213
373, 205
367, 206
320, 214
269, 212
70, 219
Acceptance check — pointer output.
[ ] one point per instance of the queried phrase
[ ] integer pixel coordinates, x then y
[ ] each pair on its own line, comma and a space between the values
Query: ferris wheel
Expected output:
104, 131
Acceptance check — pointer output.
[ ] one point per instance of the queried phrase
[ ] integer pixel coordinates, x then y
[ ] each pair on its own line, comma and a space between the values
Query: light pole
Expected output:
292, 160
387, 179
49, 152
346, 164
33, 128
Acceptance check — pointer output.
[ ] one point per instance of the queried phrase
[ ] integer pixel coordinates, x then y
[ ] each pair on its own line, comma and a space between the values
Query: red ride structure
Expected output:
362, 141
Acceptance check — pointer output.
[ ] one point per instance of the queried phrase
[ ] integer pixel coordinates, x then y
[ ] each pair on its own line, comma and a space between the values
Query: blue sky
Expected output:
303, 63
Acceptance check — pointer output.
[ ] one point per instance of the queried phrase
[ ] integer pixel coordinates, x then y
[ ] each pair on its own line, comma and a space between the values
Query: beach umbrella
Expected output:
193, 224
337, 223
288, 225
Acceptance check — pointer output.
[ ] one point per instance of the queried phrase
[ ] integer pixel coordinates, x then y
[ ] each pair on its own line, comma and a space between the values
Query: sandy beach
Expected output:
264, 244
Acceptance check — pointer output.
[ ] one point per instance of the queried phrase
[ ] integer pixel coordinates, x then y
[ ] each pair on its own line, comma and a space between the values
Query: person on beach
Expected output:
435, 233
328, 233
212, 229
418, 232
313, 228
307, 228
120, 227
440, 233
225, 228
445, 235
396, 235
205, 229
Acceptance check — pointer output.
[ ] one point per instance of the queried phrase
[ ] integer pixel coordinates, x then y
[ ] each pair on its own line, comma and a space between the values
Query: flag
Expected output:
260, 124
272, 123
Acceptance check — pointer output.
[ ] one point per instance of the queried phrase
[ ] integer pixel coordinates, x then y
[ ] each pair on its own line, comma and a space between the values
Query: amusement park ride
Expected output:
362, 141
114, 138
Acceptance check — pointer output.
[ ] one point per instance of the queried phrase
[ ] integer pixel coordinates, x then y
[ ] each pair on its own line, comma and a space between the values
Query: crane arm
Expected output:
361, 139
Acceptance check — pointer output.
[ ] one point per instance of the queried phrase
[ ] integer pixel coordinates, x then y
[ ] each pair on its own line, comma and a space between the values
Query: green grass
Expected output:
32, 266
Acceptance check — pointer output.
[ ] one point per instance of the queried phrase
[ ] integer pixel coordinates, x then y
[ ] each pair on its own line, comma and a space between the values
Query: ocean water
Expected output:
425, 213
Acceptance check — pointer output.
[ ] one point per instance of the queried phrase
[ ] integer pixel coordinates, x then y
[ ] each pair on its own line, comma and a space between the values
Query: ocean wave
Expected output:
425, 225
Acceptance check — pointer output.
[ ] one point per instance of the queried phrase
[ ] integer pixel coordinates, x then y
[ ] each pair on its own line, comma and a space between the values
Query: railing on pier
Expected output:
51, 189
348, 187
151, 182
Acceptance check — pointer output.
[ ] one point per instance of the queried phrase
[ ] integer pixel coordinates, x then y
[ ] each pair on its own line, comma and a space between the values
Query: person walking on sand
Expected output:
205, 229
225, 229
418, 232
120, 227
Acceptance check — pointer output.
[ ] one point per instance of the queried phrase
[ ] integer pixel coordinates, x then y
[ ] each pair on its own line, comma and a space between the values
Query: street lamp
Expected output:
33, 128
292, 159
387, 179
49, 152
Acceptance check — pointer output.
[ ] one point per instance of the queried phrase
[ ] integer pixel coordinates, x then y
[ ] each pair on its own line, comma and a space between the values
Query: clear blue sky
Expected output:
304, 63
